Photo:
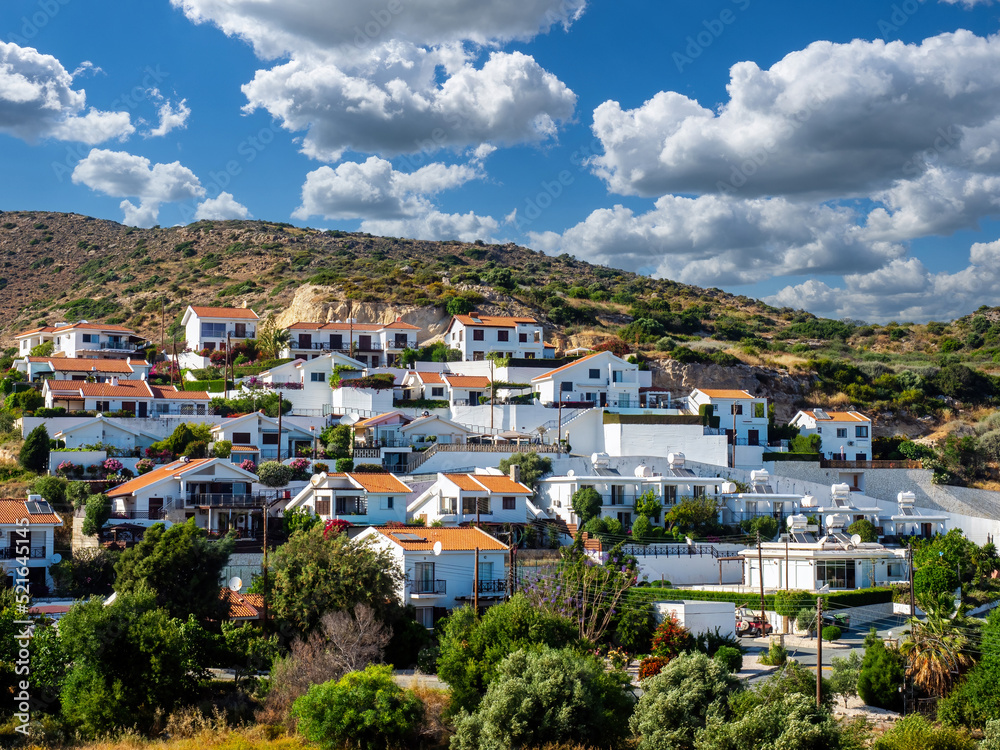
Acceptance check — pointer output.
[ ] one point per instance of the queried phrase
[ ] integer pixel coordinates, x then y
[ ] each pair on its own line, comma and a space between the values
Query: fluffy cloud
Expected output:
170, 118
711, 240
373, 189
435, 225
221, 208
279, 27
904, 290
830, 120
121, 174
37, 100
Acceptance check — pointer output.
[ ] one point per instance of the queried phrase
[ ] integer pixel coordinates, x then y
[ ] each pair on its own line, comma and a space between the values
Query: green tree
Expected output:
182, 436
641, 528
312, 575
34, 455
677, 702
44, 349
472, 649
649, 505
298, 518
865, 529
790, 721
96, 515
881, 675
976, 700
222, 448
634, 627
181, 567
936, 647
51, 488
533, 467
586, 504
366, 710
805, 444
271, 339
127, 664
696, 515
914, 731
544, 696
458, 306
846, 671
274, 474
337, 440
943, 563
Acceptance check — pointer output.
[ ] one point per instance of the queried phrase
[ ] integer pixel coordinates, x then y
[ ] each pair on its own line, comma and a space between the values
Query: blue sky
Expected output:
843, 157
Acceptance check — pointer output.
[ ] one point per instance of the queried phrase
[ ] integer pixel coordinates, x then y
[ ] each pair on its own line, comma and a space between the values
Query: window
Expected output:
819, 430
737, 408
103, 406
386, 503
503, 335
241, 438
90, 338
509, 503
437, 392
670, 494
751, 507
470, 504
758, 410
617, 376
448, 505
861, 431
316, 377
698, 490
841, 432
566, 386
595, 374
425, 617
213, 330
323, 507
590, 397
485, 571
478, 334
522, 338
838, 573
423, 579
270, 438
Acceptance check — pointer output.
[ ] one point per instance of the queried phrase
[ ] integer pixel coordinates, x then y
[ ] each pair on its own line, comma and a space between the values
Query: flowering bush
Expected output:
671, 638
652, 666
65, 468
248, 465
300, 468
335, 527
144, 465
319, 468
112, 465
95, 469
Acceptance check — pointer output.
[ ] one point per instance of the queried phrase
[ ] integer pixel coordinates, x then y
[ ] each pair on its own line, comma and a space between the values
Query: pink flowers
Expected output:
112, 465
249, 465
143, 466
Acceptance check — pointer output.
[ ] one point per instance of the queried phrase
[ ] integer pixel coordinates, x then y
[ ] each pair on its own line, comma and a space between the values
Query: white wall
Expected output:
660, 440
700, 617
689, 570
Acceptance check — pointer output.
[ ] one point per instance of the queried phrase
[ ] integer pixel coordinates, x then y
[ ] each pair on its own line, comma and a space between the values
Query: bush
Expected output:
344, 464
671, 638
548, 696
34, 455
805, 619
52, 489
223, 448
730, 658
831, 633
427, 659
634, 629
775, 656
586, 503
97, 514
914, 731
881, 675
365, 709
652, 666
274, 474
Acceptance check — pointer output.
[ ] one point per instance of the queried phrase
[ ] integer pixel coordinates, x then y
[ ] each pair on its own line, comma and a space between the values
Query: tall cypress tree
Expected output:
34, 454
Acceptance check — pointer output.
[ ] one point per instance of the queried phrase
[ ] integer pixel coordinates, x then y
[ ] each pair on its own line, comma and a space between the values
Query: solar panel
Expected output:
762, 489
408, 537
906, 511
38, 507
681, 472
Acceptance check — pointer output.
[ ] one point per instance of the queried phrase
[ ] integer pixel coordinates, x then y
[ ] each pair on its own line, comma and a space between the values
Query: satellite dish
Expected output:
56, 558
856, 540
437, 548
236, 583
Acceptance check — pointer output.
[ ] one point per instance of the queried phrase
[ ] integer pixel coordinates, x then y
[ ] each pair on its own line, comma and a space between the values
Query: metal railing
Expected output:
429, 587
223, 500
367, 452
672, 550
825, 463
351, 506
386, 443
141, 515
494, 586
10, 553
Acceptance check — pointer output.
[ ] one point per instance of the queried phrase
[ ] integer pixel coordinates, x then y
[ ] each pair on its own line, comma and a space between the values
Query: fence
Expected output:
901, 464
672, 550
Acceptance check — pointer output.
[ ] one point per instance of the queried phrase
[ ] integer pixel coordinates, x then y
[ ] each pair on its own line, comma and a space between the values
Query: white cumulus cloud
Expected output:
171, 117
221, 208
37, 100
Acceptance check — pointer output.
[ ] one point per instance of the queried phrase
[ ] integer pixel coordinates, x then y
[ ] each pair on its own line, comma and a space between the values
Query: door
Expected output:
241, 330
143, 410
753, 437
155, 508
336, 342
305, 341
604, 399
925, 530
365, 343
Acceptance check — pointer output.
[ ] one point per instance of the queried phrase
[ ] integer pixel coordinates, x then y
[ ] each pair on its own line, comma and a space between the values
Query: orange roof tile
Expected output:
452, 539
242, 606
574, 363
501, 484
305, 326
378, 482
128, 389
378, 419
77, 364
839, 416
492, 321
465, 482
724, 393
405, 326
145, 480
95, 327
244, 313
430, 377
468, 381
43, 329
11, 511
165, 391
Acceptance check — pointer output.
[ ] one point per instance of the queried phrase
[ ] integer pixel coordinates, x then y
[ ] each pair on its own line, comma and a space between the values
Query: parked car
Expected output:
752, 626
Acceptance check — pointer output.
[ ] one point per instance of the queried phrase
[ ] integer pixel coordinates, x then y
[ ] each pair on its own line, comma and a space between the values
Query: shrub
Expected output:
223, 448
586, 504
881, 675
344, 464
774, 656
34, 455
651, 666
97, 514
52, 489
427, 659
634, 629
548, 696
365, 709
671, 638
144, 466
641, 528
914, 731
805, 618
319, 467
248, 465
831, 633
274, 474
730, 658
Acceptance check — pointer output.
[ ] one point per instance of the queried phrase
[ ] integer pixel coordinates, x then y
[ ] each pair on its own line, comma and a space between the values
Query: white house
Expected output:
210, 327
601, 379
255, 436
487, 496
83, 340
913, 521
476, 335
846, 435
362, 498
421, 384
39, 522
97, 370
439, 566
101, 429
136, 397
742, 416
216, 492
435, 429
374, 344
380, 439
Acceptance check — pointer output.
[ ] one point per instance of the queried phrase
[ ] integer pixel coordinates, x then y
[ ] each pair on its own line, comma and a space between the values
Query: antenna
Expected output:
236, 583
437, 548
856, 540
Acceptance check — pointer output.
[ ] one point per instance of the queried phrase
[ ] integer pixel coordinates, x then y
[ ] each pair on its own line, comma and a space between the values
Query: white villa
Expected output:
37, 545
83, 340
600, 379
361, 498
487, 496
255, 436
136, 397
742, 416
846, 435
96, 370
476, 335
101, 429
373, 344
212, 328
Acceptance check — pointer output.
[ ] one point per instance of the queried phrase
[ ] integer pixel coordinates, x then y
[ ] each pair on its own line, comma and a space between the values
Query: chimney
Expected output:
515, 472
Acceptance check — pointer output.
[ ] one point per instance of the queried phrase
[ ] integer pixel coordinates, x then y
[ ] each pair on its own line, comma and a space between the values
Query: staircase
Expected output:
418, 459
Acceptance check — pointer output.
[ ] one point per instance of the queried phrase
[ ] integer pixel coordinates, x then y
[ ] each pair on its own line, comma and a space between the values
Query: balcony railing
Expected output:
494, 586
386, 443
429, 587
142, 515
351, 506
222, 500
118, 346
10, 553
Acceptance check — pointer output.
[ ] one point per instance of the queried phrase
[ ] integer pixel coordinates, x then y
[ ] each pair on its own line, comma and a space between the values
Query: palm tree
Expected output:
936, 649
271, 339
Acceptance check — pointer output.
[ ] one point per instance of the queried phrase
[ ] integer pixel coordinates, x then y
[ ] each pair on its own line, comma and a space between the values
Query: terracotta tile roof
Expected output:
452, 539
166, 391
127, 389
76, 364
362, 327
245, 449
379, 483
492, 321
566, 366
501, 484
95, 327
465, 482
468, 381
43, 329
175, 468
724, 393
244, 313
839, 416
402, 325
13, 510
430, 377
380, 418
242, 606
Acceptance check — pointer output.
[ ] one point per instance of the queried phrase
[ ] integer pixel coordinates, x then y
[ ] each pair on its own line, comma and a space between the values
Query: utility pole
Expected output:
909, 554
279, 426
264, 597
512, 565
163, 314
229, 359
786, 562
819, 650
559, 393
475, 585
760, 568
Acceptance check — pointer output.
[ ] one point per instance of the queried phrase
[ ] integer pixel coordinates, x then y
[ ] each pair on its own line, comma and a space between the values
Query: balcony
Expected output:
222, 500
117, 346
351, 506
10, 553
497, 586
137, 515
429, 588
